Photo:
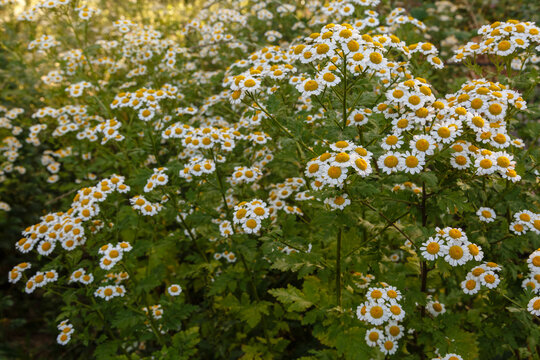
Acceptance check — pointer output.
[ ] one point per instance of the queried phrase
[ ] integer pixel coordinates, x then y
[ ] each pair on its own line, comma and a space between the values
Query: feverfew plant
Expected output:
279, 180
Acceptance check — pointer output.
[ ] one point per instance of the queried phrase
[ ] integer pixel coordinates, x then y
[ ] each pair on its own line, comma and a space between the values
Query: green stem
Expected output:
338, 268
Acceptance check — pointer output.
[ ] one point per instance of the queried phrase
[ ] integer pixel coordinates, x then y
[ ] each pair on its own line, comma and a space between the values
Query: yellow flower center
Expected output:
486, 163
391, 161
414, 100
394, 330
250, 83
443, 132
504, 45
342, 157
376, 312
411, 161
433, 248
329, 77
334, 172
455, 252
375, 57
392, 140
252, 224
311, 85
470, 284
373, 336
495, 109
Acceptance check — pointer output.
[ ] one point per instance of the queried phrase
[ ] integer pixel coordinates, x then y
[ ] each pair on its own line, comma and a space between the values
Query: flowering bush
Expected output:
278, 180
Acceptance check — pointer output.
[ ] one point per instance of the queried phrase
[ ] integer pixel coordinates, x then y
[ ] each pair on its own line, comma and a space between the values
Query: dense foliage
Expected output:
261, 179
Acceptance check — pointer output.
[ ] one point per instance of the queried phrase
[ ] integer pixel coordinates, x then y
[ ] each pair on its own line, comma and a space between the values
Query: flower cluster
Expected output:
40, 279
452, 245
157, 311
249, 215
532, 282
15, 274
383, 309
81, 276
108, 292
524, 221
245, 175
158, 178
146, 207
331, 168
227, 255
501, 39
111, 255
483, 275
66, 330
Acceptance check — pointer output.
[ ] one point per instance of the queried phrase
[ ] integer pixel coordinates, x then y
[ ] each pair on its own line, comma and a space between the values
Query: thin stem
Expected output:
338, 268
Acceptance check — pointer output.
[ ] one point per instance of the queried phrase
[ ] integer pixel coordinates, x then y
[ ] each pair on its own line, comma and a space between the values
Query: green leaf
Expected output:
292, 297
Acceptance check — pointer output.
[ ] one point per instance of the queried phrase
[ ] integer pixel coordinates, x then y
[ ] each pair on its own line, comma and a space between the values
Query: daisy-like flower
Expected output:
518, 228
524, 216
230, 256
343, 145
454, 234
310, 87
456, 254
413, 162
394, 331
357, 117
475, 251
390, 162
373, 337
63, 338
485, 164
534, 225
396, 311
460, 161
452, 356
87, 279
174, 290
533, 262
534, 306
392, 142
251, 225
486, 214
334, 175
338, 202
435, 308
490, 280
388, 346
444, 133
423, 143
146, 114
376, 295
392, 293
376, 313
471, 285
433, 248
328, 78
14, 276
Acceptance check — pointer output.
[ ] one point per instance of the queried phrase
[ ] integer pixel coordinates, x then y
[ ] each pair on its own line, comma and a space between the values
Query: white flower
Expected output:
534, 306
174, 290
433, 248
390, 162
486, 214
435, 308
374, 337
470, 285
